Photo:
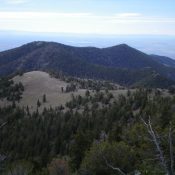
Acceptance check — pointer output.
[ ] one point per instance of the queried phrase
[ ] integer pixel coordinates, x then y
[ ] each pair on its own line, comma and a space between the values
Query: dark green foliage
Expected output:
113, 132
71, 88
38, 103
171, 90
164, 60
82, 142
121, 64
62, 89
44, 98
10, 91
87, 93
117, 154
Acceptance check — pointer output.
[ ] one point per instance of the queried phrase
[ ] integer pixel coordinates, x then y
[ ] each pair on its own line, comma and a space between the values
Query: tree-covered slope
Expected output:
121, 64
164, 60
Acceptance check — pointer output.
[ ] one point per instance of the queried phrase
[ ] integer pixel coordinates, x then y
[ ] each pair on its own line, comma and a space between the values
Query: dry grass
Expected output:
36, 84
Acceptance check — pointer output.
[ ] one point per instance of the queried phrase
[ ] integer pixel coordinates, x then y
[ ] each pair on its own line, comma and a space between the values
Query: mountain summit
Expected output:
122, 63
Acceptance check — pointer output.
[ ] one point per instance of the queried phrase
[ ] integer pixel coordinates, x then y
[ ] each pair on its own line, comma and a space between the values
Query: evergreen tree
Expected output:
44, 98
38, 103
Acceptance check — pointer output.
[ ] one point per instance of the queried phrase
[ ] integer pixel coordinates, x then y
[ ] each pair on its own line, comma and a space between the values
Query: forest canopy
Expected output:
94, 141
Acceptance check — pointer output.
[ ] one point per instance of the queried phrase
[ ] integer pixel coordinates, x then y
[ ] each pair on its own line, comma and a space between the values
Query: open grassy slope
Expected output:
38, 83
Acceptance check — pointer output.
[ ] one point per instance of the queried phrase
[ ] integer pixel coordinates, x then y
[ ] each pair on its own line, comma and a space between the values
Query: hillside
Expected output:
122, 64
164, 60
78, 141
37, 84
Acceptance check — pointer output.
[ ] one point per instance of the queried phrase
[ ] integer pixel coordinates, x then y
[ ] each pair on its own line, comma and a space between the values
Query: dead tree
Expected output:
171, 150
156, 141
2, 158
113, 168
2, 125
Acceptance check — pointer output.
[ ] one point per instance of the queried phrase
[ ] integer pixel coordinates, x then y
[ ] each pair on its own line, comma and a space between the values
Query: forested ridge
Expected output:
97, 135
121, 64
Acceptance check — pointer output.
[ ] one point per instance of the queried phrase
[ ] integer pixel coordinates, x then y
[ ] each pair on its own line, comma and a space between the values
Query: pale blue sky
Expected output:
156, 17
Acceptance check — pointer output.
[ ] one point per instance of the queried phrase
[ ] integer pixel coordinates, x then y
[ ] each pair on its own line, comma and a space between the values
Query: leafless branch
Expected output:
2, 125
2, 158
155, 137
171, 150
112, 167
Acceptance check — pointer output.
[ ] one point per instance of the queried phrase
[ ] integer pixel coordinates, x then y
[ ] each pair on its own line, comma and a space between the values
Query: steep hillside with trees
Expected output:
133, 134
121, 64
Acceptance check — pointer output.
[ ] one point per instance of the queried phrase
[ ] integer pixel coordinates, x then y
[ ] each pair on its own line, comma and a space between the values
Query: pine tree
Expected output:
38, 103
44, 98
27, 109
62, 89
87, 93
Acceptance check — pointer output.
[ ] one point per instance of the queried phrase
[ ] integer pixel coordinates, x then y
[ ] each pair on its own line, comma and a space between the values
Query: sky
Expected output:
103, 17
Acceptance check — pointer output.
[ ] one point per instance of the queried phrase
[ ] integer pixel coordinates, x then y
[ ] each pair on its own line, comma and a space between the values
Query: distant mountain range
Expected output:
121, 64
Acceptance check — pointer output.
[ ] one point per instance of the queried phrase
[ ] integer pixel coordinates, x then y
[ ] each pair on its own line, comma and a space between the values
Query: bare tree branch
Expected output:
171, 150
2, 158
155, 137
112, 167
2, 125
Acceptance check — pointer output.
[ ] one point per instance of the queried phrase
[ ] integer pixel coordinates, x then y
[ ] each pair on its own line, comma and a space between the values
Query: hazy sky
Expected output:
155, 17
